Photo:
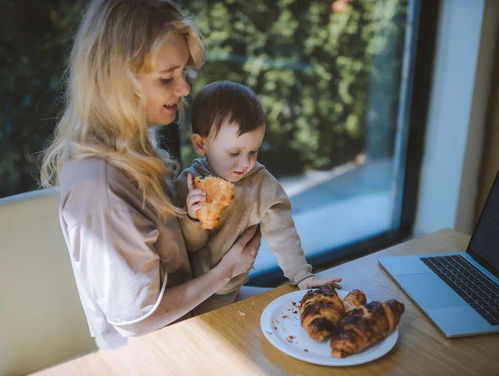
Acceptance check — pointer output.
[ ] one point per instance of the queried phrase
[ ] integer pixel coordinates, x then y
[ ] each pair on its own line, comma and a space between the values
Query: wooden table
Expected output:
228, 341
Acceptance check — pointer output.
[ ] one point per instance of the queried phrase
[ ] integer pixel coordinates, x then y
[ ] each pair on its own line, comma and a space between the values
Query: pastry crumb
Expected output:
290, 339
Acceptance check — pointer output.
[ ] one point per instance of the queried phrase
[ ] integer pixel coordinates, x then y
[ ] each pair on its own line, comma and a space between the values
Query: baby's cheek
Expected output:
231, 166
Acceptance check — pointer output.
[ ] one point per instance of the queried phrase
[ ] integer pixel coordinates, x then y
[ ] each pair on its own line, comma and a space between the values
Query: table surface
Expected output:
228, 341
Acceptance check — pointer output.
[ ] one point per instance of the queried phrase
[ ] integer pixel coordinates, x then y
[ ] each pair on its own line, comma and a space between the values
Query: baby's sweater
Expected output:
258, 199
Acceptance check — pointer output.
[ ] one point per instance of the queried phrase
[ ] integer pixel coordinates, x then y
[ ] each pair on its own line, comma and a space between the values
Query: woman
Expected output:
126, 74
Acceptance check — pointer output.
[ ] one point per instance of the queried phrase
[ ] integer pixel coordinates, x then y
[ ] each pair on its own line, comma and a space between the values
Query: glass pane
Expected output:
332, 77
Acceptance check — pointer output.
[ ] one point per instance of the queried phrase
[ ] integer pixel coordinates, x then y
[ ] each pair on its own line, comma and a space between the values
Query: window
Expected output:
336, 80
344, 85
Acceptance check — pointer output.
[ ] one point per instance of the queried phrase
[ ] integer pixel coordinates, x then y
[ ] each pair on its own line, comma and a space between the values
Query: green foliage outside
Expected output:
313, 70
317, 73
35, 38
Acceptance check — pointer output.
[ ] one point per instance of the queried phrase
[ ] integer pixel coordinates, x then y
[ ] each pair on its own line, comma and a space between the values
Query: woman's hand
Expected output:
314, 281
180, 299
195, 198
241, 256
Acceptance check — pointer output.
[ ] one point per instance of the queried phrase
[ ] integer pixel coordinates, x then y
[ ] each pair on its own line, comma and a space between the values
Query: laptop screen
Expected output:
484, 244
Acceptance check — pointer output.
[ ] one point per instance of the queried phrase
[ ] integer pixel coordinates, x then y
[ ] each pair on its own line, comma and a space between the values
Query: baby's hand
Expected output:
195, 198
314, 281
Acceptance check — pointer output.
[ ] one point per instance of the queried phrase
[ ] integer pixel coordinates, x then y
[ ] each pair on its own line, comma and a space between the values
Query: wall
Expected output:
490, 156
455, 133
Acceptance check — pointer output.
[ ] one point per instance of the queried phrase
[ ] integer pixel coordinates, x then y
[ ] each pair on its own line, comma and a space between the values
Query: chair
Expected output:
41, 317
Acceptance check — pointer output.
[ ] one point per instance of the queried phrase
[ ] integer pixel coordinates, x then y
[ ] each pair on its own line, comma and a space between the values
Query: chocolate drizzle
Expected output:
321, 323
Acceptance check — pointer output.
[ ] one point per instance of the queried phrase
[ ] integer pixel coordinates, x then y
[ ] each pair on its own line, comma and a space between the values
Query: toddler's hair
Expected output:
226, 102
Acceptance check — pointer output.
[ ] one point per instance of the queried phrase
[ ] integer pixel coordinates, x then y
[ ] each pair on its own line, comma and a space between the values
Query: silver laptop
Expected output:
458, 291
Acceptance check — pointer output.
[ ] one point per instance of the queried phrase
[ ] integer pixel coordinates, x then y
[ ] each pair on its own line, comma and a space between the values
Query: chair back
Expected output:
41, 317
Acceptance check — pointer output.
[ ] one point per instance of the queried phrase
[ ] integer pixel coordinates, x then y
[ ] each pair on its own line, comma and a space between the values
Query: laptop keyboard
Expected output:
472, 285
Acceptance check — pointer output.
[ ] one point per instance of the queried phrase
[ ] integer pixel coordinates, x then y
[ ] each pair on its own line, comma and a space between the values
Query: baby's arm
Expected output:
278, 229
194, 235
195, 198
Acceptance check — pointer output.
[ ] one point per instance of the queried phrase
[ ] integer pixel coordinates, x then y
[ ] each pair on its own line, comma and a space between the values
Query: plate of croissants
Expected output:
331, 327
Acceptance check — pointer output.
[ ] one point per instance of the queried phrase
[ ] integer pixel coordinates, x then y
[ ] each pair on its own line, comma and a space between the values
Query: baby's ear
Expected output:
198, 143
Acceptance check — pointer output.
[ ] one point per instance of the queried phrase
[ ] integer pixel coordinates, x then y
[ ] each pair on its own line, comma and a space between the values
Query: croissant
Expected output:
364, 326
354, 299
320, 310
219, 194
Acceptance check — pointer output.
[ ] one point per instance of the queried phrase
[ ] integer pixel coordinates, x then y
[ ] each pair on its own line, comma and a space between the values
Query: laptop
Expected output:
458, 291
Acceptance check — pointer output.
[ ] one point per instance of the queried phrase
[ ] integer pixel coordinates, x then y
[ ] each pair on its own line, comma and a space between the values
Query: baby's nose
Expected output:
244, 162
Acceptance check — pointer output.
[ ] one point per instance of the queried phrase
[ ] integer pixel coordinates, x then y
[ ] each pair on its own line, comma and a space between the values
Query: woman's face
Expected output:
165, 85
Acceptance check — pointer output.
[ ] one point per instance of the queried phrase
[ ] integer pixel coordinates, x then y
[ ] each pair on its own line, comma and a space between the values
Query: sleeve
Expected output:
118, 265
195, 236
278, 229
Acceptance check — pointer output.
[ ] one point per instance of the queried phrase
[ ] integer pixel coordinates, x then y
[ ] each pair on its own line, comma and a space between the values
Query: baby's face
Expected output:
232, 156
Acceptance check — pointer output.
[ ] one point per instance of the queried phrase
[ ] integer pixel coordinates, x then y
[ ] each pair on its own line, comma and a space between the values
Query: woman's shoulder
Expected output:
83, 170
90, 174
92, 184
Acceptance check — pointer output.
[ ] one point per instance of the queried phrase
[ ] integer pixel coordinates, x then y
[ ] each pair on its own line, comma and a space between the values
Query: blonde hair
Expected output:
105, 107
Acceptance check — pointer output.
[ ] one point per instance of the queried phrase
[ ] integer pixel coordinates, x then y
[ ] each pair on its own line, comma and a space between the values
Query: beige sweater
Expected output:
258, 199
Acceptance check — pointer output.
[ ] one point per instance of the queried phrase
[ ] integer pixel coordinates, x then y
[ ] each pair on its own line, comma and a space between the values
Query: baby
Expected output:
228, 127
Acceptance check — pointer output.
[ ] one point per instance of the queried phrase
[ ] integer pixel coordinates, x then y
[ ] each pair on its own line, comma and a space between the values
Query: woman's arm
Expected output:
179, 300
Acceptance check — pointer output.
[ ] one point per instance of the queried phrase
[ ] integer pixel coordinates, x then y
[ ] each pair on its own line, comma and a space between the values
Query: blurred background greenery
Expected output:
35, 38
315, 66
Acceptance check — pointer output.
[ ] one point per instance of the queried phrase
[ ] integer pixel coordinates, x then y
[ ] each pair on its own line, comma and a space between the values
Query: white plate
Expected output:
280, 323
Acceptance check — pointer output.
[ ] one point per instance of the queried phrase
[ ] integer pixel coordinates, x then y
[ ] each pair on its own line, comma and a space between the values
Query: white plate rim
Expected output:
266, 317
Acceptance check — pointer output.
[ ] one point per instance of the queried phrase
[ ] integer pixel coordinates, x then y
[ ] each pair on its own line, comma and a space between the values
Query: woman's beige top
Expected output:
123, 255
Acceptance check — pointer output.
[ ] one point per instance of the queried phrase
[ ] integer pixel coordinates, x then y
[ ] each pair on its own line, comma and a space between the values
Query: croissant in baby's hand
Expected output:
364, 326
320, 310
219, 194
